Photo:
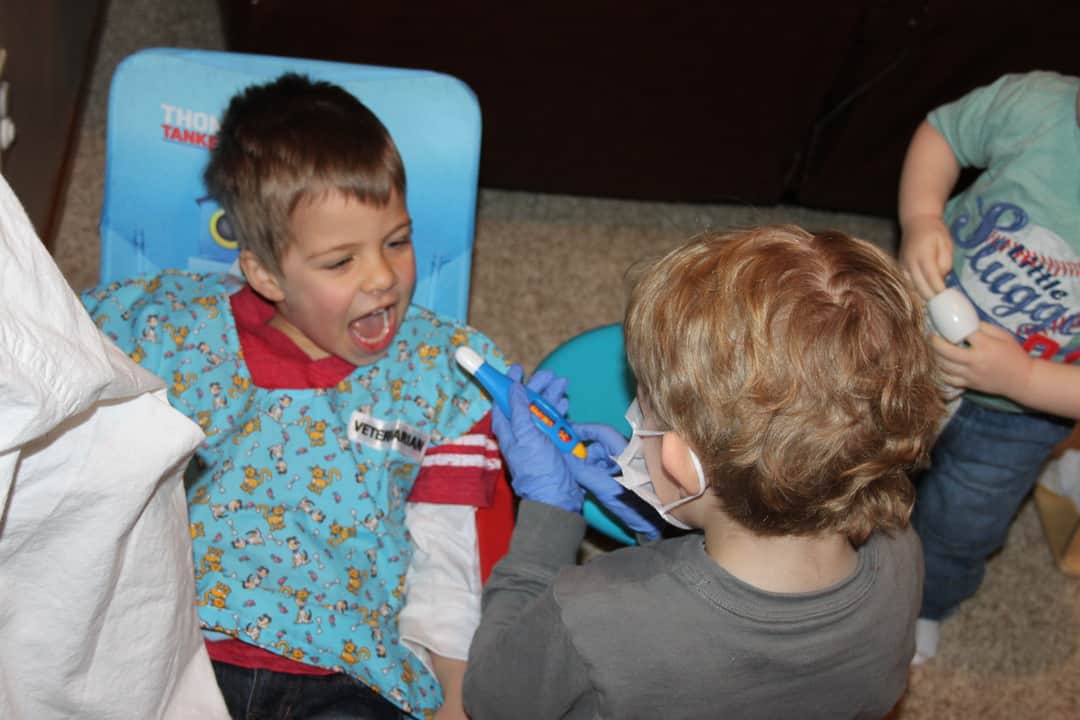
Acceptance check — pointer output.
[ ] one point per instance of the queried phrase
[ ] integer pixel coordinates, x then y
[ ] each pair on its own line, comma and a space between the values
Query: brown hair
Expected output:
797, 367
292, 140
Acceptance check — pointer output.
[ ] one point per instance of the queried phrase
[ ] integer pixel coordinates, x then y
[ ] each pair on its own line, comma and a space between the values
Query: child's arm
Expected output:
453, 535
451, 674
523, 663
995, 363
442, 607
929, 174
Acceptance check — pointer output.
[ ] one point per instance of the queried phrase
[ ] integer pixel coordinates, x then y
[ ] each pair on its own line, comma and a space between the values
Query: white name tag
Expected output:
387, 435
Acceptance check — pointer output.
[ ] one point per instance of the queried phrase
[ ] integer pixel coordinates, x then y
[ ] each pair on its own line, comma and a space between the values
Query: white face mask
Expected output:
635, 475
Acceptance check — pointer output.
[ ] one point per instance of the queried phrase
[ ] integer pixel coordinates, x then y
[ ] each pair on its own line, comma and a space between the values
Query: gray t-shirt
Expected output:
662, 631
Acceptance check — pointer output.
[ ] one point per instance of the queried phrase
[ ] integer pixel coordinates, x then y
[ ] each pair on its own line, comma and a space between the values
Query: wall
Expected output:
742, 102
51, 46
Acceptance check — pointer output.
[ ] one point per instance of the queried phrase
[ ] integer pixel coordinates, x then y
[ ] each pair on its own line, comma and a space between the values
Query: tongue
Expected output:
370, 327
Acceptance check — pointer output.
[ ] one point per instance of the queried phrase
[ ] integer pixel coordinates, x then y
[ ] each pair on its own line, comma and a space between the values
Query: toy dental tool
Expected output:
546, 417
953, 314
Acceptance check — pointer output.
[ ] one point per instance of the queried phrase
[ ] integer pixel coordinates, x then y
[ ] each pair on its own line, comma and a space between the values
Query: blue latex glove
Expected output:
538, 470
595, 475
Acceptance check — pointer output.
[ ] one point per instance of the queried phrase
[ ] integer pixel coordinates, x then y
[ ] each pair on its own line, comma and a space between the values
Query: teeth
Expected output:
385, 326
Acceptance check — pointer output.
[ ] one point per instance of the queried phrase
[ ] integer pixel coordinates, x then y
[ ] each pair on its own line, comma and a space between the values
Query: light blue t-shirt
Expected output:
1016, 229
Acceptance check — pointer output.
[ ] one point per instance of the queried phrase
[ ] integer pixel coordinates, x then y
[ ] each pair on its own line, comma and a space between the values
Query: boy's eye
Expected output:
402, 241
339, 263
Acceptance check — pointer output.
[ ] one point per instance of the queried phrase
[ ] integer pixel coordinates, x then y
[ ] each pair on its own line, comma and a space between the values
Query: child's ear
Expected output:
675, 457
260, 277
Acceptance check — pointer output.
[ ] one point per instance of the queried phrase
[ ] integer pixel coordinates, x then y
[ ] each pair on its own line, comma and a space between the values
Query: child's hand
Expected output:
926, 254
538, 470
994, 362
595, 475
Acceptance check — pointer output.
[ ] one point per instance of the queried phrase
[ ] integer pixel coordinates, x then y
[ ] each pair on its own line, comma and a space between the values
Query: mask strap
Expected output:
702, 486
700, 473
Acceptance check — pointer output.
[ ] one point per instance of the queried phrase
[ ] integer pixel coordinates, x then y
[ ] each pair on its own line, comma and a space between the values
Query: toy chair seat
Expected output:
601, 388
163, 115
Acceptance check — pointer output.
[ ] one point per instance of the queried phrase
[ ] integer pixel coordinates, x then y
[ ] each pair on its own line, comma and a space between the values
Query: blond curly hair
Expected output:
797, 367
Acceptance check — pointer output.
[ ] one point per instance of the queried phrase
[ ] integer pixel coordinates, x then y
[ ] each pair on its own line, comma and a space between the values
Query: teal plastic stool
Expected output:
601, 388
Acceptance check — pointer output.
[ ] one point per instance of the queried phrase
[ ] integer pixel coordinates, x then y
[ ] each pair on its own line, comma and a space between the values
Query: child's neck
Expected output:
780, 564
301, 340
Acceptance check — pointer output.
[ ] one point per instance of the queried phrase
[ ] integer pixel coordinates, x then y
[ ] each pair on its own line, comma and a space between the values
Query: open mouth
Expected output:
373, 330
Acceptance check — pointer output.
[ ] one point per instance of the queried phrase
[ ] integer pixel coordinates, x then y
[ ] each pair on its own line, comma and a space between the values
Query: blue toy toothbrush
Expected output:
546, 417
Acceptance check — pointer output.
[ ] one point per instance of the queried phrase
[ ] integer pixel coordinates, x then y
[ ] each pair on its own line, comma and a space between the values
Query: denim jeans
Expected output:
982, 467
265, 695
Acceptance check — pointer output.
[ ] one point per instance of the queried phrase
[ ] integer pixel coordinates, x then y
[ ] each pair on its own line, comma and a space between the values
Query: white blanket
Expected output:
97, 612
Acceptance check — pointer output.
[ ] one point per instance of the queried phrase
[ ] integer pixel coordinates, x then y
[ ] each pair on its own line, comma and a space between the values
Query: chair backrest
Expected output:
164, 109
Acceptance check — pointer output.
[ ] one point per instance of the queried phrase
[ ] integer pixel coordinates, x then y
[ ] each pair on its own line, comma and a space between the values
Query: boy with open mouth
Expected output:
338, 478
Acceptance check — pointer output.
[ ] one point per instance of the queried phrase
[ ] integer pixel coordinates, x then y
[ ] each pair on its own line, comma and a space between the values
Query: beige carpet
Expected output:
547, 267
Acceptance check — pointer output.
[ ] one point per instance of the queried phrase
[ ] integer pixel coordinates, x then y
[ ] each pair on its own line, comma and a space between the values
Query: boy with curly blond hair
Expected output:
785, 390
